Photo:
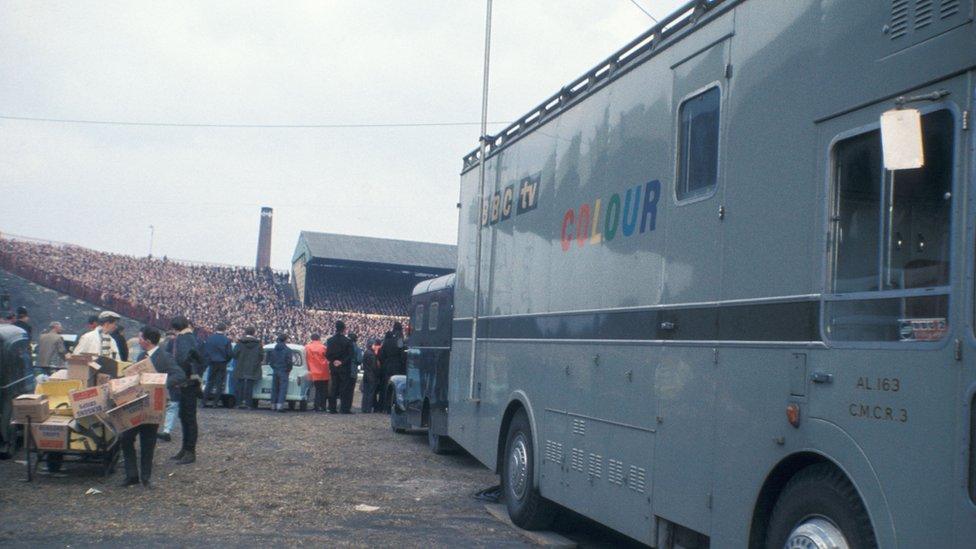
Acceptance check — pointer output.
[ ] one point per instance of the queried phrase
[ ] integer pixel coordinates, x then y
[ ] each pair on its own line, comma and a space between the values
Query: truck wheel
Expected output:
820, 508
438, 443
526, 507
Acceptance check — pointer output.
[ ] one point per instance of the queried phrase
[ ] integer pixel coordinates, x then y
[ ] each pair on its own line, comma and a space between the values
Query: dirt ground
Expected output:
264, 478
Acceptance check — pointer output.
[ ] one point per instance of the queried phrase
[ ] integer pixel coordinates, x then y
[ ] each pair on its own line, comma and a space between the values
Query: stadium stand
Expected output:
153, 290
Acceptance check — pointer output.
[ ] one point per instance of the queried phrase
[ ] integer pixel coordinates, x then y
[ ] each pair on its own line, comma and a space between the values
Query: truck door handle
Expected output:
821, 377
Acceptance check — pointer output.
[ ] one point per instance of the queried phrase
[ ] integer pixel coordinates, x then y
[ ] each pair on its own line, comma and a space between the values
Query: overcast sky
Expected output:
295, 62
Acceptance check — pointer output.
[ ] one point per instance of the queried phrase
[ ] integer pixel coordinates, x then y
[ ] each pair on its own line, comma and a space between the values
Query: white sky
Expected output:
295, 62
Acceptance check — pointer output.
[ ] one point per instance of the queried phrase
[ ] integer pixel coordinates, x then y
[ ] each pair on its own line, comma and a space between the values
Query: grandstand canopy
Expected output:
340, 249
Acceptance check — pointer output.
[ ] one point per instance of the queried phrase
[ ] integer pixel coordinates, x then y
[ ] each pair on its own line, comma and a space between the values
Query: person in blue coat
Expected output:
281, 363
217, 351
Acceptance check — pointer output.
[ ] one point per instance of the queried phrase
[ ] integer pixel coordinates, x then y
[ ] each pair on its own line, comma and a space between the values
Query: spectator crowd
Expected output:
156, 290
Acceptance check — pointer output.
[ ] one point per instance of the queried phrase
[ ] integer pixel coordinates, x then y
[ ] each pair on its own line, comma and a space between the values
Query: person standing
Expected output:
247, 366
23, 322
119, 336
340, 354
371, 378
99, 341
281, 363
50, 347
391, 356
184, 350
318, 371
164, 364
217, 351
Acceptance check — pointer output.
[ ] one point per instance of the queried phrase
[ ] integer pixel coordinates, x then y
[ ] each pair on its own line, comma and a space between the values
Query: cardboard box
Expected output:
110, 366
34, 406
142, 367
102, 379
52, 434
57, 391
125, 389
60, 374
90, 401
155, 386
83, 370
129, 415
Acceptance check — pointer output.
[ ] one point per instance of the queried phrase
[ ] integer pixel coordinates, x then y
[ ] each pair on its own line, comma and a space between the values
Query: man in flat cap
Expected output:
99, 341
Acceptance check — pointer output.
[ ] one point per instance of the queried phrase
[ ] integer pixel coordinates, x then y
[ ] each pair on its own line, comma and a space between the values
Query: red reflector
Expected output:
793, 414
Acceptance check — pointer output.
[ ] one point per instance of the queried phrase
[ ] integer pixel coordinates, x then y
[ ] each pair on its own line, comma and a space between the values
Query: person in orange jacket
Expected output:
318, 371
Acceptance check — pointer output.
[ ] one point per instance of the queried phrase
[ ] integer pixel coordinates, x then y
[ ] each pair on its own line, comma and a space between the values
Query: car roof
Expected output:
291, 346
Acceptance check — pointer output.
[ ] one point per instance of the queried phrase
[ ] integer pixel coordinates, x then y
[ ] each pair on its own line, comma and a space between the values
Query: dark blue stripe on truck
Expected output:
783, 321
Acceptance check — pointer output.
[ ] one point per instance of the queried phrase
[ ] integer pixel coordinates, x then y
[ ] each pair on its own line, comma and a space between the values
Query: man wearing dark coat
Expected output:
248, 355
217, 352
340, 353
163, 363
185, 350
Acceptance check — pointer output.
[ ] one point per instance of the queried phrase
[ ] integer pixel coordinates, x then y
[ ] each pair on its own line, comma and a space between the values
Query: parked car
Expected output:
298, 382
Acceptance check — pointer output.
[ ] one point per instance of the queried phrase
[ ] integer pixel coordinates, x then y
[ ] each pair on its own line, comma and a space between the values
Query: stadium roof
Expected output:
364, 249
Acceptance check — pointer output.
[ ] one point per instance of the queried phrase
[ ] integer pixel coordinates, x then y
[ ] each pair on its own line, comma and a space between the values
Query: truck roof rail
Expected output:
689, 14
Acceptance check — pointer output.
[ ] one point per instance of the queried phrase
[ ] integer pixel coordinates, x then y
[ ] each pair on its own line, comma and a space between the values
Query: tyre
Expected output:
53, 462
439, 444
819, 508
526, 507
303, 405
395, 420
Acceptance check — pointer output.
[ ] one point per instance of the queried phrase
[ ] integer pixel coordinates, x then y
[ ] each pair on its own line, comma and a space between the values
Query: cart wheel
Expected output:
303, 405
53, 462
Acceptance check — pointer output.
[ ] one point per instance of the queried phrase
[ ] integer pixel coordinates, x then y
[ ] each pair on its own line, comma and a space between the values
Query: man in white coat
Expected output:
99, 341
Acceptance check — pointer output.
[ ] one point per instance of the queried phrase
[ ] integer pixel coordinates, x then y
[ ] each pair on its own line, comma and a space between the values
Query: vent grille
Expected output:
576, 462
637, 479
554, 451
579, 427
923, 14
948, 8
972, 449
899, 18
596, 466
615, 472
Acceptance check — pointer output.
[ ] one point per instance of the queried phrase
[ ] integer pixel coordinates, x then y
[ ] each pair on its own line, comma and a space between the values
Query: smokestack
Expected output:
264, 240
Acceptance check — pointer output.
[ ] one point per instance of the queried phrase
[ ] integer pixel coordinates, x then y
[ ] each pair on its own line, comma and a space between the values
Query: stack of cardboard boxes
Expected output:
93, 397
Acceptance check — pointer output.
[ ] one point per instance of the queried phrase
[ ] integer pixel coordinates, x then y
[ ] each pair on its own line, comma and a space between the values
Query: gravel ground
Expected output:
261, 478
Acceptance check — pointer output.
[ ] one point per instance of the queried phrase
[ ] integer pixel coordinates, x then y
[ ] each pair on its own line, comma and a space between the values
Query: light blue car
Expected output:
298, 382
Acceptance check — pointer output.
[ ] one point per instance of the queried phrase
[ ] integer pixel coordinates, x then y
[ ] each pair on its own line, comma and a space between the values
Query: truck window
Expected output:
418, 318
890, 239
434, 309
698, 128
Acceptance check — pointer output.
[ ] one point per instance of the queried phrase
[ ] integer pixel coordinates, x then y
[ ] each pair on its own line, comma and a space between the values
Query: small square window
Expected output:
698, 127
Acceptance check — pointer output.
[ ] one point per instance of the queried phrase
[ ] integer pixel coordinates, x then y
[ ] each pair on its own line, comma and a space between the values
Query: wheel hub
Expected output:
518, 466
816, 533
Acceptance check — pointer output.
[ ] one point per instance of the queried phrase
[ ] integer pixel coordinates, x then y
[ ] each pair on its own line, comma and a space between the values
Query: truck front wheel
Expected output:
820, 508
526, 507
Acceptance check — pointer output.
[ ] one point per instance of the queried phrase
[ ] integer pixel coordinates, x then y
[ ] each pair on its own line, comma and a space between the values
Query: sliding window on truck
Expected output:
890, 248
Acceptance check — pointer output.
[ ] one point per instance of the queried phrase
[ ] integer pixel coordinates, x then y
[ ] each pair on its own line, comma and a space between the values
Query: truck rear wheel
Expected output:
526, 507
820, 508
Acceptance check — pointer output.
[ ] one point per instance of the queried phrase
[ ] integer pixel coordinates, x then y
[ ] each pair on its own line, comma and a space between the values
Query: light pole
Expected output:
152, 230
